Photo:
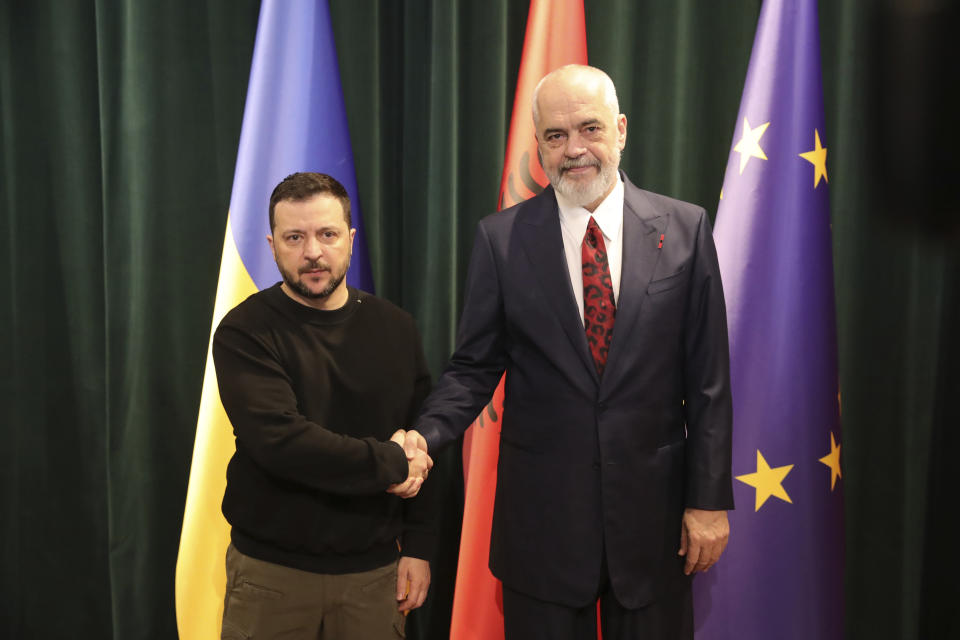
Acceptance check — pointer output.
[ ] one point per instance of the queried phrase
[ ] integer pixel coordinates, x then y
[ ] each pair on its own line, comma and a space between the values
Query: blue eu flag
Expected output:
782, 573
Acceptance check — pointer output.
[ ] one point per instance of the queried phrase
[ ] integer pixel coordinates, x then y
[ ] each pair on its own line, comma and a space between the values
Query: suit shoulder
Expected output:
649, 206
499, 221
686, 211
531, 210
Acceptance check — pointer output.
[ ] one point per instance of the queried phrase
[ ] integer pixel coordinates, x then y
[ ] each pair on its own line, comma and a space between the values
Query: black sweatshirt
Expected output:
313, 397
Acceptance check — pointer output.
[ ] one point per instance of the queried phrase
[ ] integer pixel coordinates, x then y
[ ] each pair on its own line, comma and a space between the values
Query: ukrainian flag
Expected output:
294, 120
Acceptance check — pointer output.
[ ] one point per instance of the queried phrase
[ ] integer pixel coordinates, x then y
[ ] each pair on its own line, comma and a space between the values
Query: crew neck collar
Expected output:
312, 315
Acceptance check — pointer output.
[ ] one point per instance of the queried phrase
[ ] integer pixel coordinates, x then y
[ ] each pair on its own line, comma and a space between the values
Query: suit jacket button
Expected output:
601, 406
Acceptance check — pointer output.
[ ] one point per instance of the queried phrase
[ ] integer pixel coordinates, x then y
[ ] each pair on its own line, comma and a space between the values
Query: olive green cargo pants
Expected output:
265, 600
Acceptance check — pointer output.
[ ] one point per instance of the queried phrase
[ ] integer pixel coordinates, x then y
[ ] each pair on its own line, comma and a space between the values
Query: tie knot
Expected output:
592, 237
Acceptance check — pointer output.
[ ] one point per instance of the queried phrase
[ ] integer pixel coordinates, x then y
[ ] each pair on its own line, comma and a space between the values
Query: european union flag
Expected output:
782, 573
294, 120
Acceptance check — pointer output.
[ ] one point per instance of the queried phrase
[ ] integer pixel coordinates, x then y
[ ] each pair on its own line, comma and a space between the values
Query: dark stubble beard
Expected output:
297, 285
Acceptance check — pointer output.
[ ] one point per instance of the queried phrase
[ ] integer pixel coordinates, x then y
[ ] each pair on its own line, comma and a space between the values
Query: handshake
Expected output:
419, 463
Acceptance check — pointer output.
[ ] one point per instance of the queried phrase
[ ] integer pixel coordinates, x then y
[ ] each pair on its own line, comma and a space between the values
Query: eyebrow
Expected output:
326, 227
585, 123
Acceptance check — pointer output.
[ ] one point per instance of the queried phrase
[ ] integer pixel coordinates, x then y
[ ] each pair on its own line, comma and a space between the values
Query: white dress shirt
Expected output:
573, 225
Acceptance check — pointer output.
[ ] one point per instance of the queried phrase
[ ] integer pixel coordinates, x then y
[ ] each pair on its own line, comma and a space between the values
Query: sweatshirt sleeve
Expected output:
259, 399
420, 513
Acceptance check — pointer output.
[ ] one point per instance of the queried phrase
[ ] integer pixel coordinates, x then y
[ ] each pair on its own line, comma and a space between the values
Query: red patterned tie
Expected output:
599, 307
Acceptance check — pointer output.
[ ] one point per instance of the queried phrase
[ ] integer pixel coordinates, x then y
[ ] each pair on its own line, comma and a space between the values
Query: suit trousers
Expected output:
669, 618
267, 600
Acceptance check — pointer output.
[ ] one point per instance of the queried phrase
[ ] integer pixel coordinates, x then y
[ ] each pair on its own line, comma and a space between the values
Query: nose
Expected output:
312, 247
575, 147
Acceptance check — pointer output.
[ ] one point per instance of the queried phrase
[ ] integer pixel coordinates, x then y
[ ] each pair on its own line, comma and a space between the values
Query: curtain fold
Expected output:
53, 485
119, 124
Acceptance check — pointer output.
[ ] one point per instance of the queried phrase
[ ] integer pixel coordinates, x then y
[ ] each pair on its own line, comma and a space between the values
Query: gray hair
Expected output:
609, 90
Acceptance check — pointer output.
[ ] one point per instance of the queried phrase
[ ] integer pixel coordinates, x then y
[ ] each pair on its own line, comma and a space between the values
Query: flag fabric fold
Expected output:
782, 573
294, 120
555, 36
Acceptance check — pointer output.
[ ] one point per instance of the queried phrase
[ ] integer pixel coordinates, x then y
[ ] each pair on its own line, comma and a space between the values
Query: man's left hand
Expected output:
413, 580
703, 538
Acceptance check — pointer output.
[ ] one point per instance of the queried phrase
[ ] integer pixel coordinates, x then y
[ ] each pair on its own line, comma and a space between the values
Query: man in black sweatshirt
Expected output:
322, 492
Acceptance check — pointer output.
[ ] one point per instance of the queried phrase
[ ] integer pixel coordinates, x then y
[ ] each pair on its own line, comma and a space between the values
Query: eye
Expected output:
329, 234
294, 237
554, 139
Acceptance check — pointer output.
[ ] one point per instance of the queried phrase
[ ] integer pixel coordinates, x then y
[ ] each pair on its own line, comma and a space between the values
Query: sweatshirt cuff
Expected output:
418, 544
395, 463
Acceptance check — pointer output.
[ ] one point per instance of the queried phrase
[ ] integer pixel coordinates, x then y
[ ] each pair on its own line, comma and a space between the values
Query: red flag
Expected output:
556, 36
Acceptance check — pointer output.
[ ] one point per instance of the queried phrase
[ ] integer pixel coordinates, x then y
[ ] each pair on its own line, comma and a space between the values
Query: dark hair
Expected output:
303, 186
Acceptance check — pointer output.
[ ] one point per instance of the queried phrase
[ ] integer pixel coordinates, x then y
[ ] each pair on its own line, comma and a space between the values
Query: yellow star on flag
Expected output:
749, 145
832, 460
767, 481
818, 158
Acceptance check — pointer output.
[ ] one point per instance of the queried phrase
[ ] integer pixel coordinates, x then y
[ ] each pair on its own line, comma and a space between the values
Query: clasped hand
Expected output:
419, 463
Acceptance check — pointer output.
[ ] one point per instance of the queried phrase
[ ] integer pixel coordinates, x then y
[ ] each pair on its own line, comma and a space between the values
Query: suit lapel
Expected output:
539, 232
642, 226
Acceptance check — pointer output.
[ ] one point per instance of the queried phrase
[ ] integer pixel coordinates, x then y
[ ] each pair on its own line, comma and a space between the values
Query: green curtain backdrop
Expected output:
119, 124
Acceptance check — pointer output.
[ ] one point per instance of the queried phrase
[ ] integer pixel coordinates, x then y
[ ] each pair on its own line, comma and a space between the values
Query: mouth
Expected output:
579, 169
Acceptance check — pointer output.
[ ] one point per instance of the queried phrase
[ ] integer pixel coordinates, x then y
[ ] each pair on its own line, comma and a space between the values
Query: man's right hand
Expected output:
419, 463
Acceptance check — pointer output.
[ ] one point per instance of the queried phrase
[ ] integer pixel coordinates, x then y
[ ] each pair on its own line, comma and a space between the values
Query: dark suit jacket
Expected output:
588, 464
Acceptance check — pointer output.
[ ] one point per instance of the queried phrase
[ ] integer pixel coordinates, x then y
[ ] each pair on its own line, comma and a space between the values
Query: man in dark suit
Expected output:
603, 304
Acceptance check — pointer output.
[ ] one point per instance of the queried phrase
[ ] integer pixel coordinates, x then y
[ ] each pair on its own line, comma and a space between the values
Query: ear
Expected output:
622, 131
353, 234
270, 242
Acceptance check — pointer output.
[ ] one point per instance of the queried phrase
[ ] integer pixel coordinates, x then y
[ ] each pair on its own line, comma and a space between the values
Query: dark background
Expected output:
119, 124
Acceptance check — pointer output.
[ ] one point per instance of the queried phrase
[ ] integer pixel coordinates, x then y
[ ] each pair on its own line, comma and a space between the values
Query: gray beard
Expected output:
581, 194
